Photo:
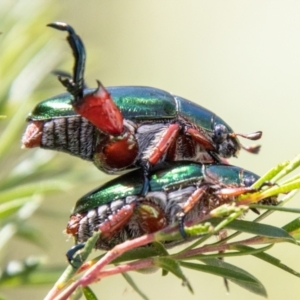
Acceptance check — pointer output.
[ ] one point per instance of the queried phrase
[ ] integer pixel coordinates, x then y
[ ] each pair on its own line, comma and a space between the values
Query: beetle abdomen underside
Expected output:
74, 135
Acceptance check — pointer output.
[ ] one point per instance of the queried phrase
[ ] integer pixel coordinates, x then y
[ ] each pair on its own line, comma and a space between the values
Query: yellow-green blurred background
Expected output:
240, 59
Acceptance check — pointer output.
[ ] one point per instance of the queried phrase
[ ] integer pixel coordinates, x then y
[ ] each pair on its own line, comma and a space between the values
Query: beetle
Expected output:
124, 127
181, 191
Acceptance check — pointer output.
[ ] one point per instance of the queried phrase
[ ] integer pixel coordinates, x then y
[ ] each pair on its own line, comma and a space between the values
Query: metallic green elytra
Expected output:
136, 103
130, 184
177, 192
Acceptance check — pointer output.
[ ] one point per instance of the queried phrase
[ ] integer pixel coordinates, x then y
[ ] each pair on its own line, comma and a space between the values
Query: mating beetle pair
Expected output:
121, 128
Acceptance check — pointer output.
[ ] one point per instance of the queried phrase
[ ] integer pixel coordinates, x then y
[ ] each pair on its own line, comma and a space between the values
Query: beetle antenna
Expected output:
250, 136
253, 136
75, 86
251, 149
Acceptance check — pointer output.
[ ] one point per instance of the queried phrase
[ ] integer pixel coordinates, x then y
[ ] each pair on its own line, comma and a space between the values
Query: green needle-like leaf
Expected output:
254, 288
88, 293
33, 189
173, 267
28, 273
238, 276
292, 226
271, 260
138, 253
257, 229
130, 281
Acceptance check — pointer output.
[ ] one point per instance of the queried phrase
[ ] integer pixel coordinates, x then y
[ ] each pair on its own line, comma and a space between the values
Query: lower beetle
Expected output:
120, 128
181, 191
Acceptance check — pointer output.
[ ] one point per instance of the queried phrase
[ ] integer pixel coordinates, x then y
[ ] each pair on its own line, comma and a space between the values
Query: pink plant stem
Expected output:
223, 247
91, 275
67, 292
143, 264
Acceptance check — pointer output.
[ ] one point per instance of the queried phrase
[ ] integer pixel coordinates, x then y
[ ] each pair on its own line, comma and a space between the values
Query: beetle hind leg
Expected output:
98, 107
75, 85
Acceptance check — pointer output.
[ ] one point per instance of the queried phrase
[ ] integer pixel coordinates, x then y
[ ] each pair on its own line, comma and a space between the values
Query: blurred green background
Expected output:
239, 59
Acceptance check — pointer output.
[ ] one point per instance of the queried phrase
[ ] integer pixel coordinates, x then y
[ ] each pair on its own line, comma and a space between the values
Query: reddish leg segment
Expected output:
194, 199
164, 143
100, 109
233, 192
151, 217
188, 206
116, 152
200, 138
116, 221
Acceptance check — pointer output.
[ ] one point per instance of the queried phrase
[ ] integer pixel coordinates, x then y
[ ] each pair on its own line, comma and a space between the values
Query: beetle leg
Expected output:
215, 157
151, 217
116, 221
200, 138
100, 109
72, 251
146, 167
61, 73
233, 192
116, 153
97, 107
204, 142
75, 86
159, 149
191, 202
164, 143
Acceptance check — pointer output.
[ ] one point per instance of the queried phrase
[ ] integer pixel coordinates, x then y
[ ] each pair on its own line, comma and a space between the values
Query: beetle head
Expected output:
227, 143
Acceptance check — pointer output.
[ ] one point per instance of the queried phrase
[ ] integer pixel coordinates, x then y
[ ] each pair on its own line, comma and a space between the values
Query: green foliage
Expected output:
26, 56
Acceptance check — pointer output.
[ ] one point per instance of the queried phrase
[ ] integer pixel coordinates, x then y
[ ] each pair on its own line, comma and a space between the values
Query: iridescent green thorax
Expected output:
52, 108
230, 175
199, 115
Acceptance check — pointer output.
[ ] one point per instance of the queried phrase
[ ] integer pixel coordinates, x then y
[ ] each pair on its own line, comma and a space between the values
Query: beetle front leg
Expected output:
200, 138
204, 142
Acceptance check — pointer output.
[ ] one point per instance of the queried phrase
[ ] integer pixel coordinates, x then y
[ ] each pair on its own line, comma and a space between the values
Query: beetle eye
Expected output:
248, 181
220, 133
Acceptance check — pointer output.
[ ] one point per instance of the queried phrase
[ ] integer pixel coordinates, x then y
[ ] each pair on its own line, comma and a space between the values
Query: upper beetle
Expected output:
119, 128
